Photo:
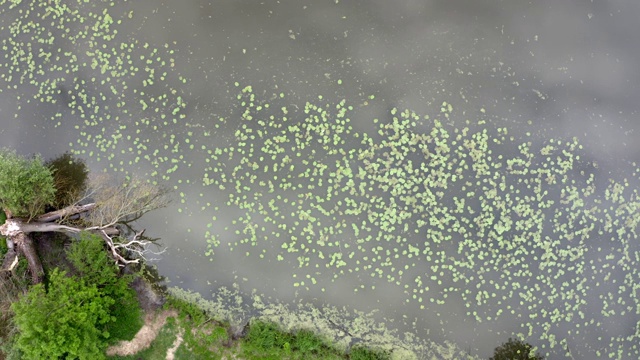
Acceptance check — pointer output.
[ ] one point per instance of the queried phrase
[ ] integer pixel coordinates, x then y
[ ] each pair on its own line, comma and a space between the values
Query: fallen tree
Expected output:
104, 207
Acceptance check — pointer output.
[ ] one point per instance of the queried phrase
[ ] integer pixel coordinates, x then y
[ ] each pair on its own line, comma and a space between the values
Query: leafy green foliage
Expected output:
91, 263
12, 286
361, 353
266, 341
89, 259
69, 178
515, 349
74, 317
128, 318
265, 336
26, 185
186, 309
3, 246
163, 341
64, 321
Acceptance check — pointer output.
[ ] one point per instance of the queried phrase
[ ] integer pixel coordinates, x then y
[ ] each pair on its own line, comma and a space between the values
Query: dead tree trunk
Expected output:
25, 247
17, 232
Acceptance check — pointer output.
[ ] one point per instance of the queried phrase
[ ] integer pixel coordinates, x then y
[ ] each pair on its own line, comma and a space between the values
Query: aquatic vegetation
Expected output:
472, 214
70, 57
342, 327
422, 204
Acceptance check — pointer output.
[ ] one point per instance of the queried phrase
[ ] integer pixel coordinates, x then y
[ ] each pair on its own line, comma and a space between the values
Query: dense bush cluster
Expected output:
75, 316
69, 177
26, 185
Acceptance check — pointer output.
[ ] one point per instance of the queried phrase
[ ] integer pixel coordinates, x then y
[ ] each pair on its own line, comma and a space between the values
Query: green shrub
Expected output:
89, 258
265, 336
90, 261
307, 342
76, 316
26, 185
361, 353
186, 309
69, 178
515, 349
64, 321
12, 286
128, 318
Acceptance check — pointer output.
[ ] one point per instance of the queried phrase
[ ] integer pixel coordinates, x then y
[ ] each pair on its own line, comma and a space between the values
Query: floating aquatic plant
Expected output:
70, 55
440, 211
469, 212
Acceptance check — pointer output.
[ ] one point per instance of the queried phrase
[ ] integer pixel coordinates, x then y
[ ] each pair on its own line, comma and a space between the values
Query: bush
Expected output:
515, 350
65, 321
90, 261
75, 317
69, 178
361, 353
265, 336
26, 185
89, 258
12, 286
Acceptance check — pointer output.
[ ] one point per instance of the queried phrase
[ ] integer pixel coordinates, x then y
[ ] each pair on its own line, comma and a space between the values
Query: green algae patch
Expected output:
340, 331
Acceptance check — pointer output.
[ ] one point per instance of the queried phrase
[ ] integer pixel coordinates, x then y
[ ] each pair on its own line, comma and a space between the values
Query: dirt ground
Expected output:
145, 336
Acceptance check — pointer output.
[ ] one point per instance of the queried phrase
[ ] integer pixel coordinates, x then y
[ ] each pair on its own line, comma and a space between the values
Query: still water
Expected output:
465, 171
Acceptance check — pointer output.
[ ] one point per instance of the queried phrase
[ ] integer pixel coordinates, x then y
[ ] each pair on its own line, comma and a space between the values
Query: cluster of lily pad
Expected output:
441, 211
69, 56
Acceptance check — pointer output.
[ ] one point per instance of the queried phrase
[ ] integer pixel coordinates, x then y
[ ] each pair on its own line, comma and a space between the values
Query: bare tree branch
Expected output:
134, 246
111, 206
122, 203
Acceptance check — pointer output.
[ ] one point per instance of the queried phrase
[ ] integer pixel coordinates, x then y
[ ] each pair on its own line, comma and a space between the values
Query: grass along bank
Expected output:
187, 333
134, 324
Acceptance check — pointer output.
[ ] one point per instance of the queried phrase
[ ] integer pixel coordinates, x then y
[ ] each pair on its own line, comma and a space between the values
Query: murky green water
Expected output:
457, 170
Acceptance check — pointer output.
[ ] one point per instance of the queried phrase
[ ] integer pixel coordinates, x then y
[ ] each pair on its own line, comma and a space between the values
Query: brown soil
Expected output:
171, 352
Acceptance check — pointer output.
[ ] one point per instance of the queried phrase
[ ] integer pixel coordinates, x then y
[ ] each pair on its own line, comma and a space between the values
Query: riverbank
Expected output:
162, 325
177, 328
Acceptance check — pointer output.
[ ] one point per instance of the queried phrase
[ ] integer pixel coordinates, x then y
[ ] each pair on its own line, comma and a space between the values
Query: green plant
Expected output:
128, 318
89, 259
186, 309
76, 316
307, 342
362, 353
3, 246
158, 348
515, 349
264, 336
12, 286
69, 178
26, 185
66, 320
91, 262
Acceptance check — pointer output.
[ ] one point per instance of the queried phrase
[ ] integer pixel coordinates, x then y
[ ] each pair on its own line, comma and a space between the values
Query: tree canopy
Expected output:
70, 176
26, 184
73, 316
515, 349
